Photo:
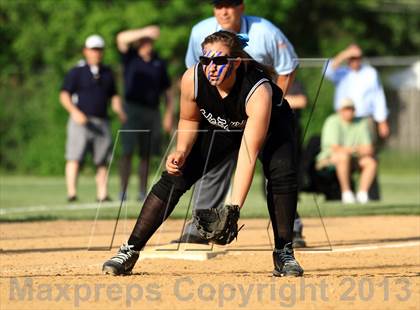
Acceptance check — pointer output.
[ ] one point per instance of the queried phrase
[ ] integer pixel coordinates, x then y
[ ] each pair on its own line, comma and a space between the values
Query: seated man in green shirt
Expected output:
346, 141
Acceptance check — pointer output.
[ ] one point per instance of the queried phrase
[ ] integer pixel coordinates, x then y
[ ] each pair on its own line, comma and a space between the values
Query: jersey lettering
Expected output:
221, 122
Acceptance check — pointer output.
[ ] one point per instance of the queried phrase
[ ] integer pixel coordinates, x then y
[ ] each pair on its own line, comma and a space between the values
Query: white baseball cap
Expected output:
346, 103
94, 41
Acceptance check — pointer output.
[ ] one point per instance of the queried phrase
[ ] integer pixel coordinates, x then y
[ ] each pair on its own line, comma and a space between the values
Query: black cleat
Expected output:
298, 240
105, 199
122, 263
285, 264
72, 199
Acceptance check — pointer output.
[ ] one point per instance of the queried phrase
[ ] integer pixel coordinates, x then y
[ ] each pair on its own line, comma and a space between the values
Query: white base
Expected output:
182, 251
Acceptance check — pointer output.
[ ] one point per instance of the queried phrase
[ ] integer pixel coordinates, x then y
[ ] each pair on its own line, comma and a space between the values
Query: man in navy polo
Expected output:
85, 94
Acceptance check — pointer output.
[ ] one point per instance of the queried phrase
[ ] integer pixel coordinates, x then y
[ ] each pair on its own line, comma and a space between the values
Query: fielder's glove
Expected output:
219, 224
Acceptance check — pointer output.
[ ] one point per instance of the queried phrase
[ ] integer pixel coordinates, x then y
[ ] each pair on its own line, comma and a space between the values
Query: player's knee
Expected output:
282, 181
170, 188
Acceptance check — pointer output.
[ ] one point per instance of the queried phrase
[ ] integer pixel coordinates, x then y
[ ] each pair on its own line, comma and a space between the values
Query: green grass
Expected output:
392, 162
400, 190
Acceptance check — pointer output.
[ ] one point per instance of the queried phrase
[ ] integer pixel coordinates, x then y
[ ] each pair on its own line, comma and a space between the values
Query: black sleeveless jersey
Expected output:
229, 113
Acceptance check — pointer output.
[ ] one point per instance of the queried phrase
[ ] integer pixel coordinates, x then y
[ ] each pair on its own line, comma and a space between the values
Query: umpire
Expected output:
85, 94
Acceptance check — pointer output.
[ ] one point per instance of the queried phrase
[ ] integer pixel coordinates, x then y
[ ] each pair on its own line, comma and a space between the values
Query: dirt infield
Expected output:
374, 264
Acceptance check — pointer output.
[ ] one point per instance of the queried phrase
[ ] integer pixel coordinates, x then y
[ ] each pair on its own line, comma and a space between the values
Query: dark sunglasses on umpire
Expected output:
218, 61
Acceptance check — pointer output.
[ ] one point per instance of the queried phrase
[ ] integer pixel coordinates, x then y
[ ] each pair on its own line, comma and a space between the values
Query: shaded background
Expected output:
41, 40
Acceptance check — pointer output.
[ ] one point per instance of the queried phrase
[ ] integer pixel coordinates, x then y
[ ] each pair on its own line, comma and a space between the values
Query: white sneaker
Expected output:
362, 197
347, 197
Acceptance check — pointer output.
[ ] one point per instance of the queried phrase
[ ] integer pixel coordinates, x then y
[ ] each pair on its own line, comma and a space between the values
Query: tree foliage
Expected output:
42, 39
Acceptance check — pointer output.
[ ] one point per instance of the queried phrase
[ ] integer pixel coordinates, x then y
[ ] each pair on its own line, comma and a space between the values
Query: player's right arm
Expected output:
188, 125
125, 38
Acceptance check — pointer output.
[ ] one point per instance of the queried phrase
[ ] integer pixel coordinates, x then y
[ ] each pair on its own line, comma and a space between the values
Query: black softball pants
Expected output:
213, 146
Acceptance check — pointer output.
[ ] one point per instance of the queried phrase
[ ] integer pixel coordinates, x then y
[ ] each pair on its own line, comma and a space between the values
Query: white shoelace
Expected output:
124, 254
286, 255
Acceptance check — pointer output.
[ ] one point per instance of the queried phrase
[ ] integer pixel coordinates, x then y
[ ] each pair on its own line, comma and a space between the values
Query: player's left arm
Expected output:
258, 110
189, 122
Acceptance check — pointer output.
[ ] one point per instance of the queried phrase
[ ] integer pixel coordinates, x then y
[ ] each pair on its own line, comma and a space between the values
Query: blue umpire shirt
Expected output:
363, 87
267, 44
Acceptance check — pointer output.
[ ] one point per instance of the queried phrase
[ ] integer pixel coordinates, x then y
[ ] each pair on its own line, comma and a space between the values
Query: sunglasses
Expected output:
218, 61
